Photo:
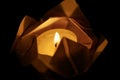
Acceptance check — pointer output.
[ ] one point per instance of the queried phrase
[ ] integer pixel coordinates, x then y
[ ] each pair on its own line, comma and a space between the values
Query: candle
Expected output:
48, 41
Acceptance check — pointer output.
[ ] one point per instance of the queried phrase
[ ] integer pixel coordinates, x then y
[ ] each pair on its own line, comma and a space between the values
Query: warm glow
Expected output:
56, 39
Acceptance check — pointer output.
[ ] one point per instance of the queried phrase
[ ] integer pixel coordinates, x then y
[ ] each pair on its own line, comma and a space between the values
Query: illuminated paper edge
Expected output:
25, 24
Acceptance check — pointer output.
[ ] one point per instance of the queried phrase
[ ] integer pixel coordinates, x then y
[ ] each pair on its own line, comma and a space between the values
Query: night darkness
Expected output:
12, 14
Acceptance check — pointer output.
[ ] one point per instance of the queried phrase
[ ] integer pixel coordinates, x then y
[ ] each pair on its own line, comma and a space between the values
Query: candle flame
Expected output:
56, 39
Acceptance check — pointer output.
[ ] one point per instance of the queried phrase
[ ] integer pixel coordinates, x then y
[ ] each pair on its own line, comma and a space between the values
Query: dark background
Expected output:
102, 16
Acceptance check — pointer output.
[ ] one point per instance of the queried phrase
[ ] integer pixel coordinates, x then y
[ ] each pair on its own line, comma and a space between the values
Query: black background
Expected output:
102, 16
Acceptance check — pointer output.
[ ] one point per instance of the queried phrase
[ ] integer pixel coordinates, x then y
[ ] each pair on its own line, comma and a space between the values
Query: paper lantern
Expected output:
61, 41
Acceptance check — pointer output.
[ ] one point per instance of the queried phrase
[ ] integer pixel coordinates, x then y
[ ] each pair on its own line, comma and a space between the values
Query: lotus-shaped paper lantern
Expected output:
61, 41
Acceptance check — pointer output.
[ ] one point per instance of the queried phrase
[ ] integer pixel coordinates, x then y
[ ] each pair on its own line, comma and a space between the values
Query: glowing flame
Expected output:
56, 39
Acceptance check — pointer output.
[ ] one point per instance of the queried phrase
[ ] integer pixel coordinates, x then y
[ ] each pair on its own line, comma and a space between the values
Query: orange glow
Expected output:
56, 39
